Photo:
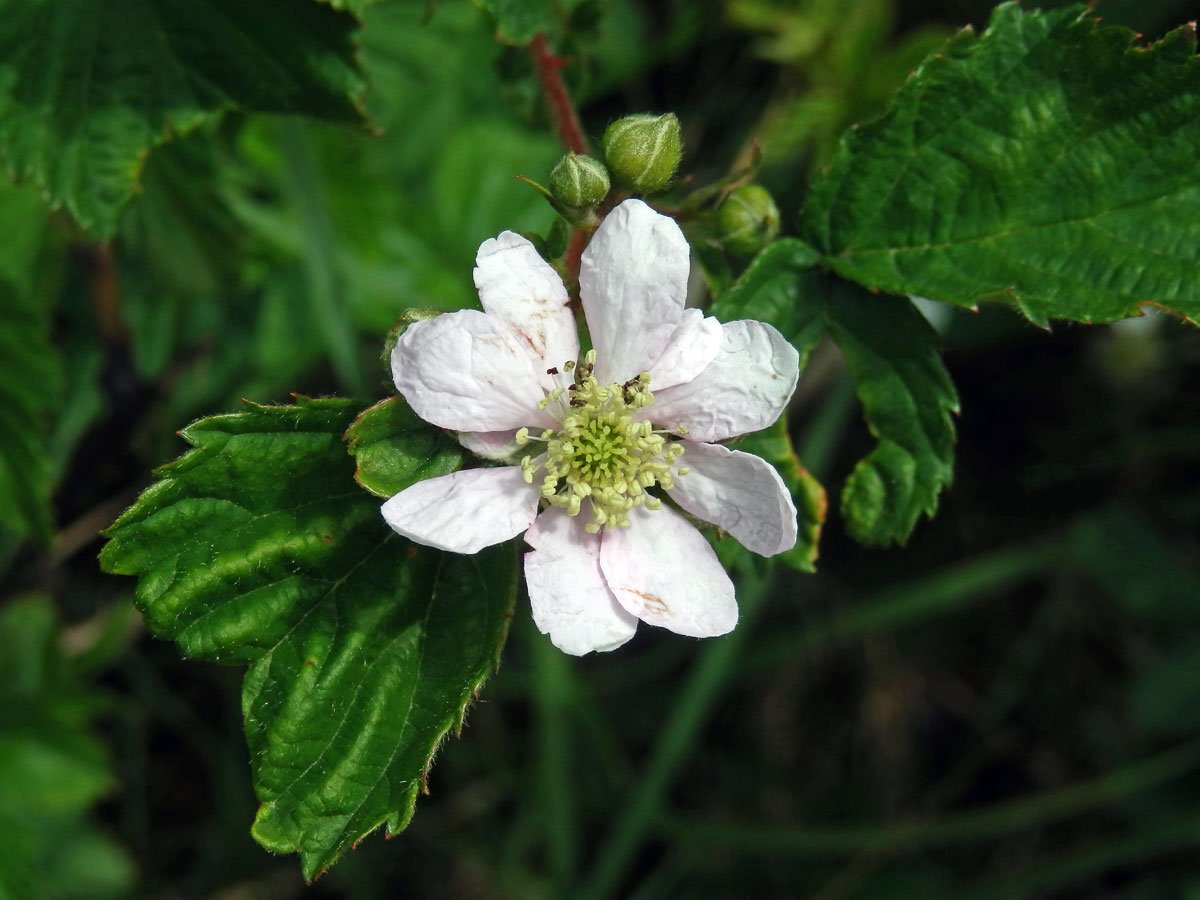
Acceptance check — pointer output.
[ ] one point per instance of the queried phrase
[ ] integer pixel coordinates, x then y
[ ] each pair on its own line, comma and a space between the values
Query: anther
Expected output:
598, 453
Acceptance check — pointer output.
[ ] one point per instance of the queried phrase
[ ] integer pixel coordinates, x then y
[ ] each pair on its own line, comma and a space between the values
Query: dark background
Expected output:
1005, 707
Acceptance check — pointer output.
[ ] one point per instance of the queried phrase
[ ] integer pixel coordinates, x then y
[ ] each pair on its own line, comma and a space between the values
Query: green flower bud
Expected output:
747, 220
579, 181
643, 151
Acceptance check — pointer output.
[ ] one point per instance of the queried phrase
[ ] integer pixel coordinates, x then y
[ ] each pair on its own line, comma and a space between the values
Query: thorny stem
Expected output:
566, 120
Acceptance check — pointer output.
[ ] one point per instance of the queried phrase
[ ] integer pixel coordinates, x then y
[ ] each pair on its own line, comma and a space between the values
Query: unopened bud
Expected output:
579, 181
643, 151
747, 220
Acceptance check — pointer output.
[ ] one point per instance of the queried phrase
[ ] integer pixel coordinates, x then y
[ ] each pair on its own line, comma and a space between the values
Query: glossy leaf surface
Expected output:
394, 447
257, 546
1049, 163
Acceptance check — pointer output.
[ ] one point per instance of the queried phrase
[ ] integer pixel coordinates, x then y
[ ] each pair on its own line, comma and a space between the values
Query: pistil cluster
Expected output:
600, 453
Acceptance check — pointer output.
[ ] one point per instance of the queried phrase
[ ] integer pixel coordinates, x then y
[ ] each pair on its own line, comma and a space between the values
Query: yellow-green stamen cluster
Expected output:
599, 453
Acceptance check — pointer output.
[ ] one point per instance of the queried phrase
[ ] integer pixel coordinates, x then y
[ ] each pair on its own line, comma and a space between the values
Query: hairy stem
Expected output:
562, 110
566, 121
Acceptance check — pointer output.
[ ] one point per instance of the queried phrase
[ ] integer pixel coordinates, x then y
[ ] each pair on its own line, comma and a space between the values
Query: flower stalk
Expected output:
570, 131
558, 100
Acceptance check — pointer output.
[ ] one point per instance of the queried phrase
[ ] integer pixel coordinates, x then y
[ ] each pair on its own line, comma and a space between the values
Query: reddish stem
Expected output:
566, 120
562, 110
106, 293
573, 258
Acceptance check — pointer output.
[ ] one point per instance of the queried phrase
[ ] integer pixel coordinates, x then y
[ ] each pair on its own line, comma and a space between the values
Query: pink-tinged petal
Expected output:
633, 284
571, 601
743, 389
518, 286
463, 512
663, 571
691, 348
740, 493
490, 444
468, 371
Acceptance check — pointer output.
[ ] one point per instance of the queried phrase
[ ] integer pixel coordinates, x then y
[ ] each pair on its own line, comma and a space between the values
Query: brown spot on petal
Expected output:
538, 344
653, 602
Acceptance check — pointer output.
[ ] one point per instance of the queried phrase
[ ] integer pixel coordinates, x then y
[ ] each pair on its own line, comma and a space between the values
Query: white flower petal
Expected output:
739, 492
463, 512
490, 444
633, 284
663, 571
571, 601
691, 348
518, 286
743, 389
468, 371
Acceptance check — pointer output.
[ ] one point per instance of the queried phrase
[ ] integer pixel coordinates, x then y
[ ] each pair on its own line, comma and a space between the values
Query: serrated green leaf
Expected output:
257, 546
907, 398
774, 444
517, 21
395, 447
368, 692
892, 354
31, 380
88, 87
1047, 163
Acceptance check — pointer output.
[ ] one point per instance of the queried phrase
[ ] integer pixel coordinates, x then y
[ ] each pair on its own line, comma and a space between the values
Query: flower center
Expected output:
600, 454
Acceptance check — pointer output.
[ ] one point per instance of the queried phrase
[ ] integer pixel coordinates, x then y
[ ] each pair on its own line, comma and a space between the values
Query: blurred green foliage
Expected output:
91, 87
840, 63
1003, 708
53, 767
